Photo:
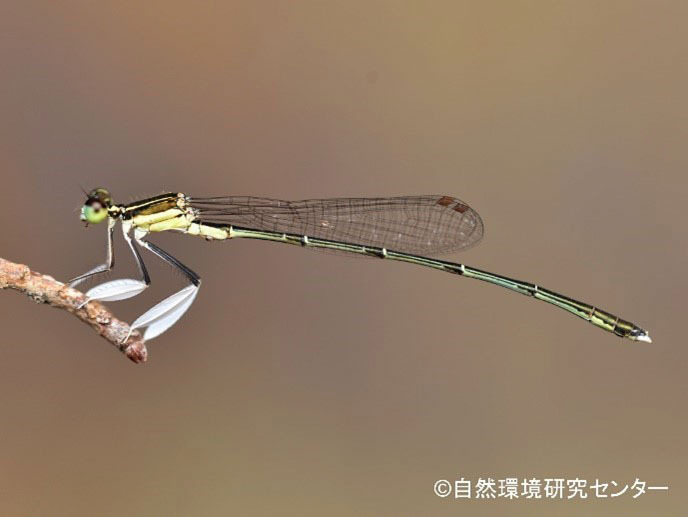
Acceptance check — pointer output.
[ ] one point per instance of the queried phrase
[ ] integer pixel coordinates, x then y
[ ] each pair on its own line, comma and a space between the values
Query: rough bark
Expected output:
45, 289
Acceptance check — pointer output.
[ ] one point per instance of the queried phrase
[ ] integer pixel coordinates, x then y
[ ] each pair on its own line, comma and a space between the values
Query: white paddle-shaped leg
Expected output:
162, 316
122, 288
166, 313
119, 289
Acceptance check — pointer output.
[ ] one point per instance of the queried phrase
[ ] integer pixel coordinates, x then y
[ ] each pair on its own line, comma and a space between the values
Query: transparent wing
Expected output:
411, 224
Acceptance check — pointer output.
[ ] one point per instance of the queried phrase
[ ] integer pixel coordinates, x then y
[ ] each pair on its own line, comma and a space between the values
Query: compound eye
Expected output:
93, 212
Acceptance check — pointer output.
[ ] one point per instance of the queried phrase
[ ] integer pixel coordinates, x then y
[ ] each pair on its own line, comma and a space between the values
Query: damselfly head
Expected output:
95, 210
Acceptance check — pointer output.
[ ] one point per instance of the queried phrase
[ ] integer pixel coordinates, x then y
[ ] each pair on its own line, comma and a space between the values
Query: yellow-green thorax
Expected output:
169, 212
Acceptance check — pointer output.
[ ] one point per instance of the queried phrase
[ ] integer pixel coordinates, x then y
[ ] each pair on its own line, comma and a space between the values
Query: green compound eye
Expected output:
94, 213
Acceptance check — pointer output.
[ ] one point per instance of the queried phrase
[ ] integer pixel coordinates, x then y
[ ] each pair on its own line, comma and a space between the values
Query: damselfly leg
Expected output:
104, 267
166, 313
121, 288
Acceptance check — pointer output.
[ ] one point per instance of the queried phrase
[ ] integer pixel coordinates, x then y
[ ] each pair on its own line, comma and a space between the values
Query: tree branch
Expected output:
45, 289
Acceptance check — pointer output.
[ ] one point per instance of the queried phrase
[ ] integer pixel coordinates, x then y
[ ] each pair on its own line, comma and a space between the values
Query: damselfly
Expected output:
406, 229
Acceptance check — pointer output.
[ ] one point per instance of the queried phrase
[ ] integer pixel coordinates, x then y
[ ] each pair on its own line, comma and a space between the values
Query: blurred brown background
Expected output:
309, 384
